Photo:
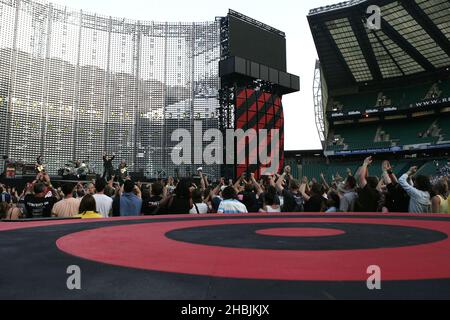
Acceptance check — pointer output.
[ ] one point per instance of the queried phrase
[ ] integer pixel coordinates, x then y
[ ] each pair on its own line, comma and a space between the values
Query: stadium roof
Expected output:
414, 39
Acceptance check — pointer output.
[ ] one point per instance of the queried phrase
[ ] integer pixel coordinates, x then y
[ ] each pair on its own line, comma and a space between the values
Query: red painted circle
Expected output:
300, 232
145, 246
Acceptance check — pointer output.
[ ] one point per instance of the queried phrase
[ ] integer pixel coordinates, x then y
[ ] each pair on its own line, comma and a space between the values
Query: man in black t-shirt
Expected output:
292, 198
368, 195
250, 200
39, 204
315, 202
151, 203
396, 198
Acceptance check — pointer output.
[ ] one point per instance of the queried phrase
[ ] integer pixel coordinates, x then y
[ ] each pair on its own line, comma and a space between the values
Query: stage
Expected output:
251, 257
57, 181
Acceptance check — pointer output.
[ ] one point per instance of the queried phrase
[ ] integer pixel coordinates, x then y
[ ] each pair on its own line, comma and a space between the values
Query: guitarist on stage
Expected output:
40, 167
123, 171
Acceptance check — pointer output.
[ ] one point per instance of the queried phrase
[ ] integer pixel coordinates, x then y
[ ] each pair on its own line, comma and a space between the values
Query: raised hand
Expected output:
412, 171
386, 166
368, 161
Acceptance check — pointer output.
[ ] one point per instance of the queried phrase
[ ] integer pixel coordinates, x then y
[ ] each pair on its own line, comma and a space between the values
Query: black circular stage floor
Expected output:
252, 257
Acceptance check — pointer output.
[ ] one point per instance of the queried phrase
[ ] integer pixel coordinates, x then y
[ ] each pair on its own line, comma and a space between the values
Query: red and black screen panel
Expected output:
258, 110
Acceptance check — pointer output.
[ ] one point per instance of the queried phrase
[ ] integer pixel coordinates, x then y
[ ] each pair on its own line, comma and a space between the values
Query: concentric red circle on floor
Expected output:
300, 232
145, 246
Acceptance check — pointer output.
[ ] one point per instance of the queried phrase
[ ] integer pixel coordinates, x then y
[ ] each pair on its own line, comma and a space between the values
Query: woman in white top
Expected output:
270, 205
199, 206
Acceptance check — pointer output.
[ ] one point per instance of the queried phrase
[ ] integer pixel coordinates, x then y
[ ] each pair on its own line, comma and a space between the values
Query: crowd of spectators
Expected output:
359, 192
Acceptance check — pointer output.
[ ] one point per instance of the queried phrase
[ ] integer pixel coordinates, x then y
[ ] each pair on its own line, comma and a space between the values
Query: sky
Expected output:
286, 15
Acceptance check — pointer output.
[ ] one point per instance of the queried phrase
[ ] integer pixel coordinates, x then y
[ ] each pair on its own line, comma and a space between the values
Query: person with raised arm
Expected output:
258, 187
314, 200
368, 196
108, 168
396, 199
40, 204
324, 181
348, 195
419, 192
292, 198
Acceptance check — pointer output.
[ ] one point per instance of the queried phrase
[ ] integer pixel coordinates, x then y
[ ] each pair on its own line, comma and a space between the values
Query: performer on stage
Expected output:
108, 169
122, 171
123, 168
81, 169
40, 166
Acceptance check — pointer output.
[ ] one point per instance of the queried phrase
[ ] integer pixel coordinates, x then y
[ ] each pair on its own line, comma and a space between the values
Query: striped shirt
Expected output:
232, 207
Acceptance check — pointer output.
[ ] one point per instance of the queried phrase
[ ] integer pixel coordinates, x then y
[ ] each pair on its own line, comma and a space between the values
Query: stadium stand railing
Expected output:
432, 131
402, 98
